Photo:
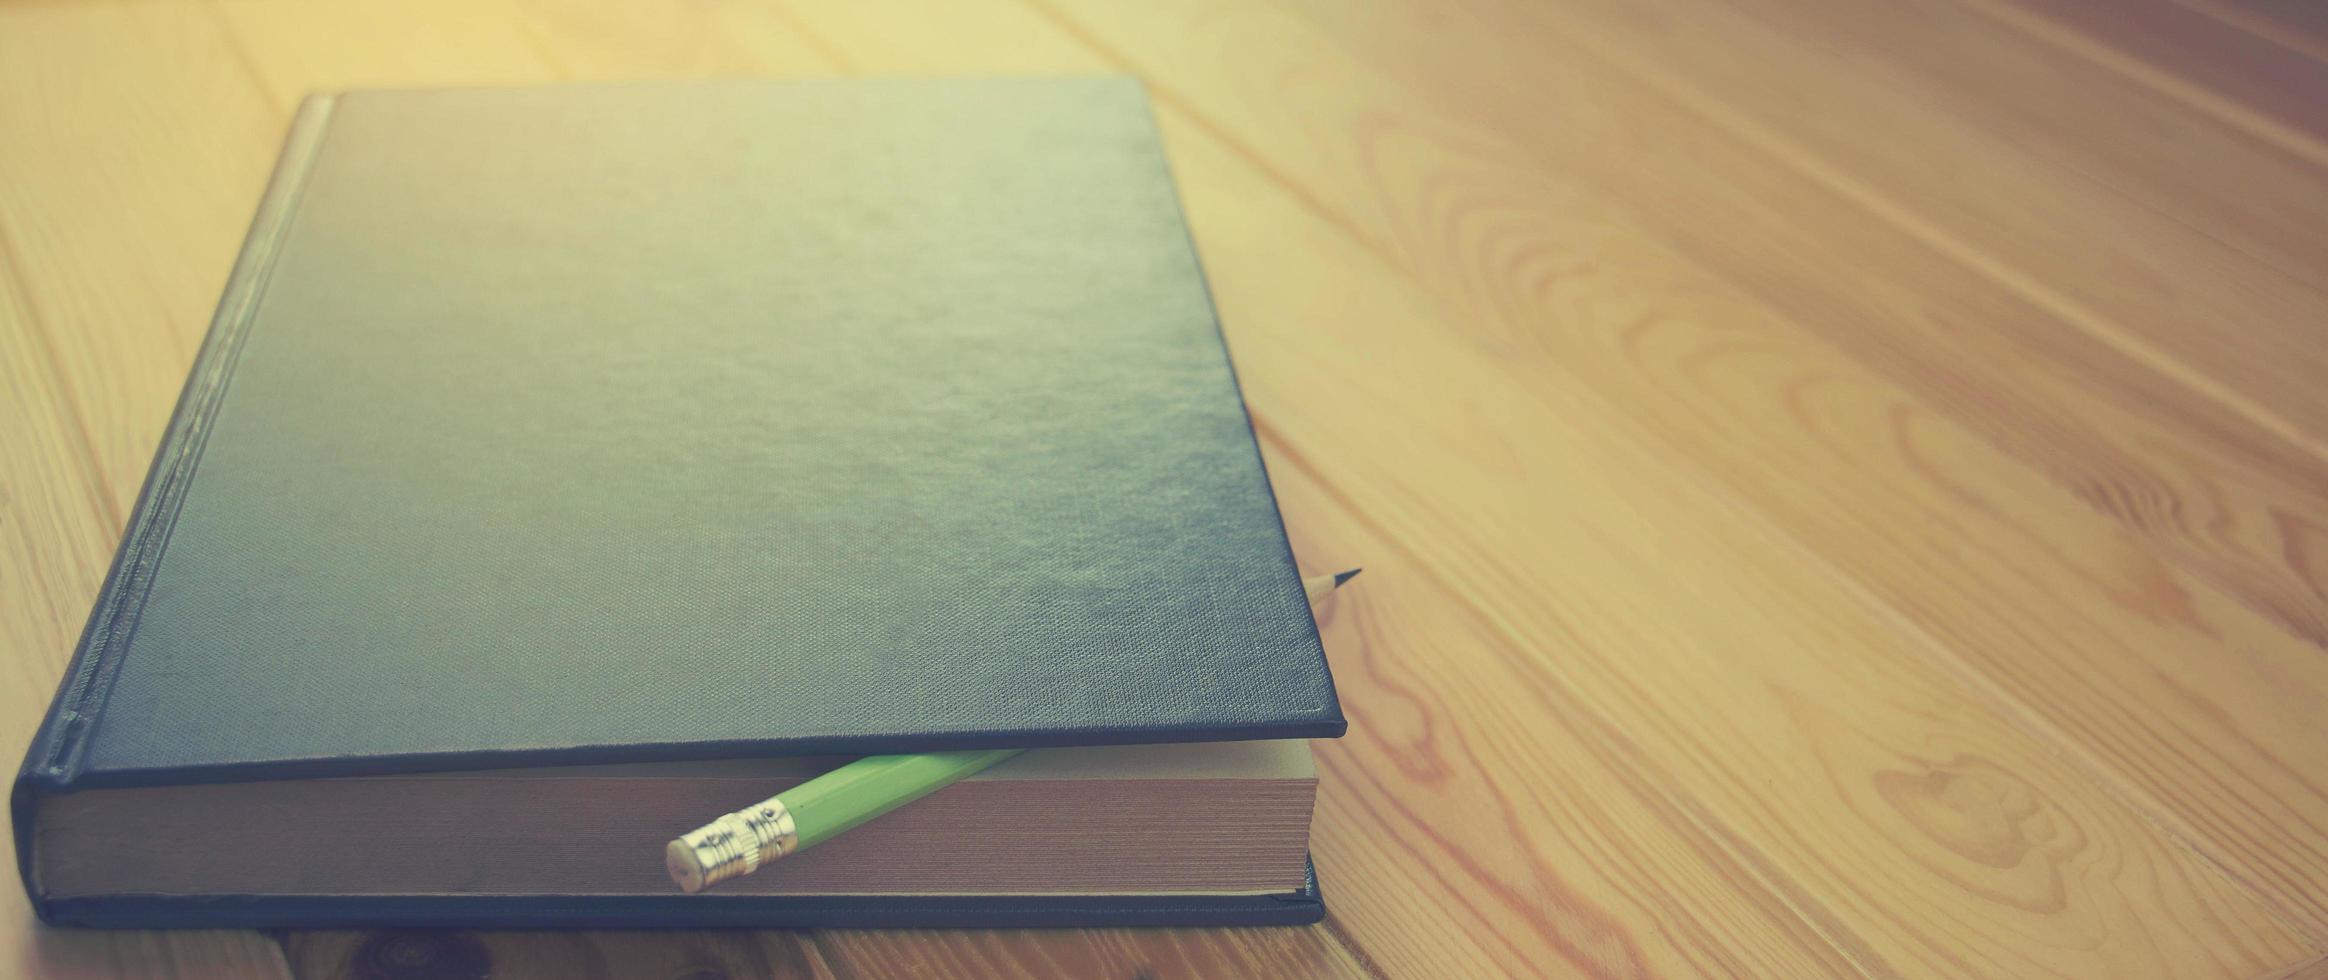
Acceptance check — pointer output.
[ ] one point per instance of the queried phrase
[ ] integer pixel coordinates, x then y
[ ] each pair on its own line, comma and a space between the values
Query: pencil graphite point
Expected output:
1318, 587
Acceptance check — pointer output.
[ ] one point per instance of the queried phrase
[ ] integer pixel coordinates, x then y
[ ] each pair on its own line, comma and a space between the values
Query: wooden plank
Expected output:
2176, 295
2313, 970
292, 49
2134, 438
973, 38
2298, 25
2170, 156
125, 204
2156, 682
1153, 953
2237, 76
1540, 278
1621, 595
675, 40
54, 534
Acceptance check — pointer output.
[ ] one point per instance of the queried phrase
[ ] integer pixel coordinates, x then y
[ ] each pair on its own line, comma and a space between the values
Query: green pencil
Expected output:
805, 815
739, 843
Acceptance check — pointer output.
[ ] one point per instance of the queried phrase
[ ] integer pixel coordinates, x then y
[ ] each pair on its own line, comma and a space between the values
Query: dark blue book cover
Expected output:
693, 421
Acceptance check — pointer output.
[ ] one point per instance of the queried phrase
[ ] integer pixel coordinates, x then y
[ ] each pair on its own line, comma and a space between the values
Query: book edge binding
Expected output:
54, 757
1301, 907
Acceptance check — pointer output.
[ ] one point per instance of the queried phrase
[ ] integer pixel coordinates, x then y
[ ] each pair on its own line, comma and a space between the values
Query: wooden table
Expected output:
1844, 486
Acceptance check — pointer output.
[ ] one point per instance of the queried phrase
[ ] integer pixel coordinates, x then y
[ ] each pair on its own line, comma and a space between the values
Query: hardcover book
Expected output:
565, 466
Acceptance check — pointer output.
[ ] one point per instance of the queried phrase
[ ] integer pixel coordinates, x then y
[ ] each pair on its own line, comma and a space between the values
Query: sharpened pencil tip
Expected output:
1341, 577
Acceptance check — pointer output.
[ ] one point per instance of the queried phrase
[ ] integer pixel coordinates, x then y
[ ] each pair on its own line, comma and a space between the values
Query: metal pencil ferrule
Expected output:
731, 846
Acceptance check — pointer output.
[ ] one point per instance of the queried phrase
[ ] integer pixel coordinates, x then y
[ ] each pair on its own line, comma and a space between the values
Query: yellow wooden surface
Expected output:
1844, 485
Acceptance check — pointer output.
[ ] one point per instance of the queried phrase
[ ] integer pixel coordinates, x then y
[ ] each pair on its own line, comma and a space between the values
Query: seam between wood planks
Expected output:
2190, 94
1964, 253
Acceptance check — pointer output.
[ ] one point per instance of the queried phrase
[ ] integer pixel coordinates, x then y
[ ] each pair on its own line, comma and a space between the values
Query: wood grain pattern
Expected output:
2055, 573
1690, 702
2295, 24
2245, 79
1844, 486
1091, 953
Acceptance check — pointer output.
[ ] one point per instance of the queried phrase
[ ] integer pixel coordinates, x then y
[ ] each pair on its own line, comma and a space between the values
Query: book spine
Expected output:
63, 737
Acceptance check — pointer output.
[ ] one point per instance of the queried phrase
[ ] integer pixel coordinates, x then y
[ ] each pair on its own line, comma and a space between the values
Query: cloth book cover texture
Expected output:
696, 420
